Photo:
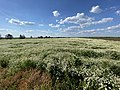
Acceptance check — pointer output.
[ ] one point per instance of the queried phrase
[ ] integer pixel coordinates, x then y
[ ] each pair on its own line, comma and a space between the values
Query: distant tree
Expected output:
22, 36
8, 36
31, 37
48, 36
40, 37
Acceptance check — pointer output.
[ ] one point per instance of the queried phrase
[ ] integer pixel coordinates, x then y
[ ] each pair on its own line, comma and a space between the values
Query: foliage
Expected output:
22, 36
4, 63
8, 36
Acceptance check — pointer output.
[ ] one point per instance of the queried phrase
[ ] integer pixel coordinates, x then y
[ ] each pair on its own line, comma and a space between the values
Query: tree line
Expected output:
10, 36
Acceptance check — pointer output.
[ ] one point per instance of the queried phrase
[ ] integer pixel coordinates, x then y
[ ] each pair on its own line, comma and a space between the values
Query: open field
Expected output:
59, 64
107, 38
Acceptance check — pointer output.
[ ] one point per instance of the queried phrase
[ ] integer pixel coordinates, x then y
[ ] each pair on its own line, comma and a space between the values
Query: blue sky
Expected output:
73, 18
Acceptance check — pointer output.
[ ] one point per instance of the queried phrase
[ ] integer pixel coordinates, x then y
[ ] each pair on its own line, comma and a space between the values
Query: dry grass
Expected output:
26, 80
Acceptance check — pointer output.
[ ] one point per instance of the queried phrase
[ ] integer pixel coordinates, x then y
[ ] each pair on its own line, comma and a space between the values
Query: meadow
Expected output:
59, 64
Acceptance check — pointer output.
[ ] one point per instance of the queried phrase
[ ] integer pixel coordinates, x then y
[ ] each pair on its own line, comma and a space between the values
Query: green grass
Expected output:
71, 63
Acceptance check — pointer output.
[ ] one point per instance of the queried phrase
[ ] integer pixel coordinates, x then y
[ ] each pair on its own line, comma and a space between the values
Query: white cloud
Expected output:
4, 31
104, 20
118, 12
96, 9
78, 19
39, 32
91, 31
88, 31
18, 22
71, 29
81, 26
78, 30
113, 27
56, 13
41, 25
113, 8
83, 20
29, 31
57, 20
108, 29
54, 26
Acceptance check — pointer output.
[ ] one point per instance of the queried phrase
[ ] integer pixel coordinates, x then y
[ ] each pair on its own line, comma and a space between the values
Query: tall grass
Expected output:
67, 64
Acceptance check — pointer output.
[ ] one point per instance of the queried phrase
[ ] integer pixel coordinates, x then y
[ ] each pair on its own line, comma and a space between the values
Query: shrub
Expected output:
78, 62
41, 65
27, 64
56, 74
115, 69
91, 54
4, 63
113, 55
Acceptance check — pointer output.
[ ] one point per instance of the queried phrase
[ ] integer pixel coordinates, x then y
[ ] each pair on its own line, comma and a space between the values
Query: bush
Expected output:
78, 62
115, 69
41, 65
27, 64
4, 63
56, 73
91, 54
113, 55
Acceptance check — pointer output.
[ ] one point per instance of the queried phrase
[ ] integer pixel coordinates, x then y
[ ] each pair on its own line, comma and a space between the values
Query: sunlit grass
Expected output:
71, 63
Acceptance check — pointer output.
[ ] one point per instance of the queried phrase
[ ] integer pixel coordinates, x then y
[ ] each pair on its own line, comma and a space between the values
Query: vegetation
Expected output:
8, 36
59, 64
22, 36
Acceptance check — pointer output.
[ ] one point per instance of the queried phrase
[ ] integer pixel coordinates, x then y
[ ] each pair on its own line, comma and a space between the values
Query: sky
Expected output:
60, 18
